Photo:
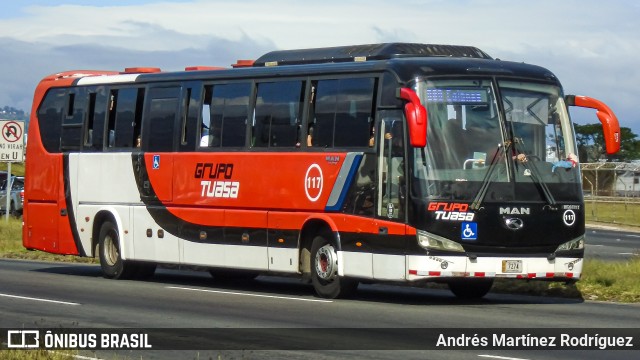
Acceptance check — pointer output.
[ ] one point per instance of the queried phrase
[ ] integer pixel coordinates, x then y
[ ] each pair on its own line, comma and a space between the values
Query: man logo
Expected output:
515, 211
514, 223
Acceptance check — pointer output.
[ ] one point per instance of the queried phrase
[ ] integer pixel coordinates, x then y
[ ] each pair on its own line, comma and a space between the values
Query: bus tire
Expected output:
470, 288
113, 267
324, 271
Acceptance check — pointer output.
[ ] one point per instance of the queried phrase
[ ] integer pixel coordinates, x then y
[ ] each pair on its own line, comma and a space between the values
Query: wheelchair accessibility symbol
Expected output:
469, 231
156, 162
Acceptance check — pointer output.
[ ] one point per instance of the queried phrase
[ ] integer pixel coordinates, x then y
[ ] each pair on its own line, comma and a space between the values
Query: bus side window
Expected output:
278, 114
96, 119
72, 123
311, 112
354, 113
224, 115
91, 114
127, 117
205, 124
235, 115
190, 122
111, 129
137, 120
216, 116
163, 104
344, 112
325, 112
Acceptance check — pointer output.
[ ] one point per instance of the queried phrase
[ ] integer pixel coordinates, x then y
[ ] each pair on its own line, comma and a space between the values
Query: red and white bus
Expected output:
385, 162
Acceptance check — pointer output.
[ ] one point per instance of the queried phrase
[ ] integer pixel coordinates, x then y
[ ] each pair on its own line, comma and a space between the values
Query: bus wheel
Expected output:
324, 271
471, 288
113, 267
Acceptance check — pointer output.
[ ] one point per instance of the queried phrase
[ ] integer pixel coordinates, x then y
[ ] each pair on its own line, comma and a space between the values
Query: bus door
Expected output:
391, 189
159, 135
391, 200
155, 175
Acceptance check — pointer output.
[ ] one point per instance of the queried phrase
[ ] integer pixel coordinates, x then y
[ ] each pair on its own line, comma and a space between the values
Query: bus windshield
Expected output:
484, 134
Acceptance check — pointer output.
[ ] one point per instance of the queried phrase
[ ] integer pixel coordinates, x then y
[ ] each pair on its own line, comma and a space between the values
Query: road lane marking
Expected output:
39, 299
627, 254
635, 236
245, 294
500, 357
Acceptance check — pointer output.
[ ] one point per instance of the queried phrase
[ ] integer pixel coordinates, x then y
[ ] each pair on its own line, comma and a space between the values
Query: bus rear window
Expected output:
50, 119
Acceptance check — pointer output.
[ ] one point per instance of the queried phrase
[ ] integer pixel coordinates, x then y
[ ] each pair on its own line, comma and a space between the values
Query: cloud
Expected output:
26, 63
588, 44
604, 71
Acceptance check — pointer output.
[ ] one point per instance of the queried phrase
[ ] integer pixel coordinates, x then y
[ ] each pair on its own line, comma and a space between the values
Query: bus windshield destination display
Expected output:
457, 96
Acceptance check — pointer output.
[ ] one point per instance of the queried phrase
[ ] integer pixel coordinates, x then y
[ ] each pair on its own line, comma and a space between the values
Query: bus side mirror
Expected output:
416, 115
610, 125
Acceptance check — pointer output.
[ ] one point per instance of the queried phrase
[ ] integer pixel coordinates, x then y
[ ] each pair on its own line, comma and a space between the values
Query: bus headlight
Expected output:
435, 242
575, 244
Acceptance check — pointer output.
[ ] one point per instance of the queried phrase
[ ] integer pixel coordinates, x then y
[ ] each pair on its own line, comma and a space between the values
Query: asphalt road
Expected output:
57, 295
611, 245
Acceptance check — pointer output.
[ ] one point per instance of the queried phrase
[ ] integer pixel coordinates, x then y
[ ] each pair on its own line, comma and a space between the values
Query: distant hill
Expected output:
11, 113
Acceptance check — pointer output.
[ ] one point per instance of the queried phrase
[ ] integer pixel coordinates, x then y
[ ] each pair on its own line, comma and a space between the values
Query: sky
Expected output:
592, 46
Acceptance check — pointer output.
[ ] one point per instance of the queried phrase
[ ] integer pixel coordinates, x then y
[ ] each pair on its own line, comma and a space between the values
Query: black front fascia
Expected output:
514, 218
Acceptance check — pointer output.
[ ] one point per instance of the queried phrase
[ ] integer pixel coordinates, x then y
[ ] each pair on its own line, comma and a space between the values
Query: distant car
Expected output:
16, 195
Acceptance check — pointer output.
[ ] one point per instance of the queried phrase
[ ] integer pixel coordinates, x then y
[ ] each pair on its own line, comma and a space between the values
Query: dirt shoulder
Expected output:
613, 227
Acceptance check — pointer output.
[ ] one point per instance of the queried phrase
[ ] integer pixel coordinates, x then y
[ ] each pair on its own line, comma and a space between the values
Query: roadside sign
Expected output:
11, 141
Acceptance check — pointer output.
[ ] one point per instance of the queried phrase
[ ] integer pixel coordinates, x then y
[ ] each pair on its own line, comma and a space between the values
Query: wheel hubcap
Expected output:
111, 253
326, 262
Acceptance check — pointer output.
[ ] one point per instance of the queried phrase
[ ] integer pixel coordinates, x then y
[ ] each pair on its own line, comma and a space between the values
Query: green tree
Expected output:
591, 146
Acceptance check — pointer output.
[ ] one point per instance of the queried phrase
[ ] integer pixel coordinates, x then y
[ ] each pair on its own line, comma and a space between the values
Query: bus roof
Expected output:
406, 60
366, 52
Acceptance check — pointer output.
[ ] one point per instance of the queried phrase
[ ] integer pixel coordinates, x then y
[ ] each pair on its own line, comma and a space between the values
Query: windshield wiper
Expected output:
487, 180
535, 177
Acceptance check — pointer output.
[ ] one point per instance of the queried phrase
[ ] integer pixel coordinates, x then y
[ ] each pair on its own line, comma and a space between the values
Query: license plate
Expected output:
511, 266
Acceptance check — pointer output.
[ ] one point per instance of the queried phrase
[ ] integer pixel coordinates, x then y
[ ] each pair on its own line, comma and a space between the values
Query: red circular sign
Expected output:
12, 131
313, 182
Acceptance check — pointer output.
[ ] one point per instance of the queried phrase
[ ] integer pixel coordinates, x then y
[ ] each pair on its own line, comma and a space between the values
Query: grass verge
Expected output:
37, 355
601, 280
16, 168
616, 212
11, 245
